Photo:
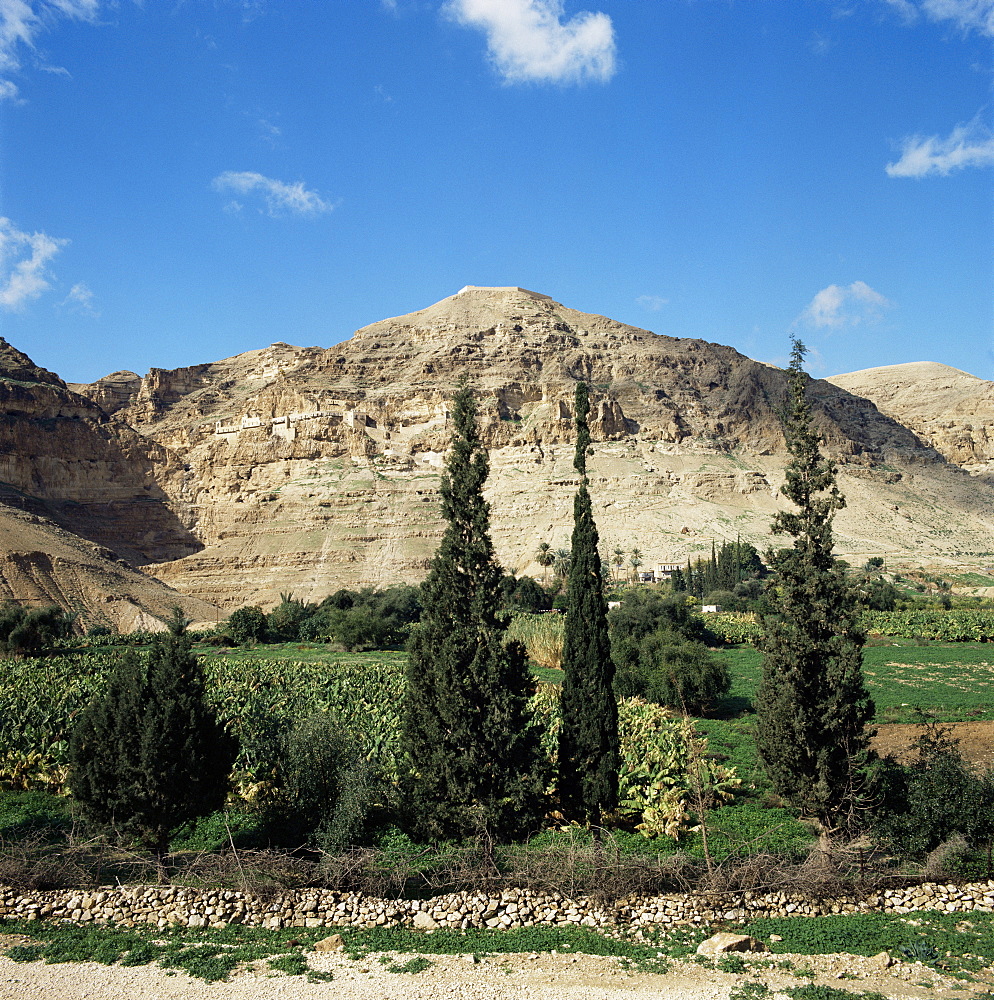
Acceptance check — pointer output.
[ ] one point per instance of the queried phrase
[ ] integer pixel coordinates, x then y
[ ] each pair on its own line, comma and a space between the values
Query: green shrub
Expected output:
147, 754
366, 618
927, 802
247, 625
680, 675
523, 594
326, 789
360, 628
283, 623
30, 632
644, 611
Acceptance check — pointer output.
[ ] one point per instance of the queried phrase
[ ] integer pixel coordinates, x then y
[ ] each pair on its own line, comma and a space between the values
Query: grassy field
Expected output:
952, 681
301, 652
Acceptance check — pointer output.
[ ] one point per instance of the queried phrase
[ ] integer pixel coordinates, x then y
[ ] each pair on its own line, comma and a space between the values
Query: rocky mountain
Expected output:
307, 469
79, 506
948, 409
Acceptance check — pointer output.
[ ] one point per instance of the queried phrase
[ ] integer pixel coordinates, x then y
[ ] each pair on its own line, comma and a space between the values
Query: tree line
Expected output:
147, 754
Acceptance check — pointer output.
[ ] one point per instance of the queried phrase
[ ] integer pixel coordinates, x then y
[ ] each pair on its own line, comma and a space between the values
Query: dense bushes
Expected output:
326, 788
148, 754
684, 675
659, 653
24, 632
247, 625
354, 619
932, 799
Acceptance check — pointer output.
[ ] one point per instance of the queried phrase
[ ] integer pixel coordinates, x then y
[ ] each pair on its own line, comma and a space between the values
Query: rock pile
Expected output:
174, 905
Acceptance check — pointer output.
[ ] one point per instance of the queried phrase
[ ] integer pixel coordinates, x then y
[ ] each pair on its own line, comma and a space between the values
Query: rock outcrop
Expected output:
950, 410
307, 469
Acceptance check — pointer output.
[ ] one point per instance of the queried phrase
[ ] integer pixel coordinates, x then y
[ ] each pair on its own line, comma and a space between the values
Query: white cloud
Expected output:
21, 21
529, 40
652, 302
840, 307
968, 15
970, 145
24, 259
80, 301
280, 198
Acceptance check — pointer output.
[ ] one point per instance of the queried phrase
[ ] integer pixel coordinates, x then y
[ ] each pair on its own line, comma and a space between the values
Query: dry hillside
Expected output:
949, 410
306, 469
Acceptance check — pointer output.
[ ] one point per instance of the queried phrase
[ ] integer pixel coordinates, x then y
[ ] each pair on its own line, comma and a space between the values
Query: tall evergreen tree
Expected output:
148, 754
474, 752
812, 705
588, 740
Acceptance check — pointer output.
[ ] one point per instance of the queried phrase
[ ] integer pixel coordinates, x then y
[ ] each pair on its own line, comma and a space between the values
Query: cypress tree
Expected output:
474, 752
588, 740
711, 573
148, 754
812, 705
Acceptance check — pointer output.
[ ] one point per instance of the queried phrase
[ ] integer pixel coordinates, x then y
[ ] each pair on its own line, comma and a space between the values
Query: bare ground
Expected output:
502, 977
976, 741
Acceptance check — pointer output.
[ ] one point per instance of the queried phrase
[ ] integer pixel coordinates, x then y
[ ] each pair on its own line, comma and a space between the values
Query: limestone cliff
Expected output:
302, 469
307, 469
80, 506
948, 409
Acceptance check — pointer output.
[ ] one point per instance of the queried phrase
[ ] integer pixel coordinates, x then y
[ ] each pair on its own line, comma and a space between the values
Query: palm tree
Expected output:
561, 561
635, 560
545, 558
618, 560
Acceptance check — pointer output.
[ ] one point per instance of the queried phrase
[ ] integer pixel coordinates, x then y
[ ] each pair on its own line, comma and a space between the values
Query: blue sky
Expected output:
182, 181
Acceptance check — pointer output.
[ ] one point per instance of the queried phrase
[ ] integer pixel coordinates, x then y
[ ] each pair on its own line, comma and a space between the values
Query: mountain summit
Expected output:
308, 469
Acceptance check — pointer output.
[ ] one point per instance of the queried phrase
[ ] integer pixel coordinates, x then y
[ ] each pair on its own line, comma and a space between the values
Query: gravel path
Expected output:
502, 977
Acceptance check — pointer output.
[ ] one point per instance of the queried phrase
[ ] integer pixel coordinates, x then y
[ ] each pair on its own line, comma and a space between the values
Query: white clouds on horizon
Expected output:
968, 15
280, 198
80, 301
840, 307
21, 21
970, 145
24, 259
530, 42
652, 302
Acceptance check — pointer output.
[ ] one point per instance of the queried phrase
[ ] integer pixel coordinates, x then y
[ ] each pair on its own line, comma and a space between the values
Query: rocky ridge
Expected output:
307, 469
80, 508
950, 410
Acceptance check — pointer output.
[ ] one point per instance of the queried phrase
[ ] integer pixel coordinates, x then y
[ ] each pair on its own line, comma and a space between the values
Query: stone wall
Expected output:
173, 905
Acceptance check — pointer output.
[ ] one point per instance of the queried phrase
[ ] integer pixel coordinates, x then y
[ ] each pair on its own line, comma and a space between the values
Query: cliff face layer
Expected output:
304, 470
948, 409
80, 506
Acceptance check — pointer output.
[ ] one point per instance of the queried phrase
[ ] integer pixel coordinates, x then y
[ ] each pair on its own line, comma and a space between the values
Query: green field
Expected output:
302, 652
952, 681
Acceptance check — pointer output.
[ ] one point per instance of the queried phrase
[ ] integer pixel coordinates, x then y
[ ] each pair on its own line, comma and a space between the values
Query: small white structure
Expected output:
711, 609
